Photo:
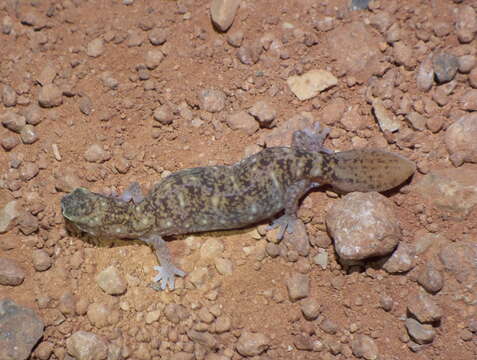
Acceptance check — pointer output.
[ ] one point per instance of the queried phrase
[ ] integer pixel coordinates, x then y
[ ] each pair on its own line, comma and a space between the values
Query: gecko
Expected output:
257, 188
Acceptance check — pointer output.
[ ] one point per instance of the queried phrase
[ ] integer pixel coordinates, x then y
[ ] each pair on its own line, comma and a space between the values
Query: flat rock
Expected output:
363, 225
20, 330
386, 120
242, 121
459, 259
422, 334
222, 13
452, 191
423, 307
282, 134
311, 83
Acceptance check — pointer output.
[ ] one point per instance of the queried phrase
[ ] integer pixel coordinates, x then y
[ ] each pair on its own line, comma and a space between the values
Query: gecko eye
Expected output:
77, 203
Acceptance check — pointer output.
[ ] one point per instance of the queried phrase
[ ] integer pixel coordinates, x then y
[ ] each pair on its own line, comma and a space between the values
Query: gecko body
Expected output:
235, 196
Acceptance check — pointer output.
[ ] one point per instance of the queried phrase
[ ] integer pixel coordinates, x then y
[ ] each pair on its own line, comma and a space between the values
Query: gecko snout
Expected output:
77, 204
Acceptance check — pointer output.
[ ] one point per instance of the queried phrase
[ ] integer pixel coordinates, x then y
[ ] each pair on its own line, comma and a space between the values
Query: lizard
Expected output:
224, 197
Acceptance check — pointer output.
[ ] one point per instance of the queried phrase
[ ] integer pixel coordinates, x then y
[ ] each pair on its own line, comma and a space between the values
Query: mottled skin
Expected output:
235, 196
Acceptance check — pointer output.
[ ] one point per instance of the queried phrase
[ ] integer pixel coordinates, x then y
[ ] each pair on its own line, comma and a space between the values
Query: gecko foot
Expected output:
166, 275
285, 222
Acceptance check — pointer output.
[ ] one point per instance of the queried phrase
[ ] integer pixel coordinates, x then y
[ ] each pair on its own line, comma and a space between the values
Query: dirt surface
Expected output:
102, 111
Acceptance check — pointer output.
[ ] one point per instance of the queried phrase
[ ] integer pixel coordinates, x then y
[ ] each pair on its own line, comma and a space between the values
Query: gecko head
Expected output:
81, 208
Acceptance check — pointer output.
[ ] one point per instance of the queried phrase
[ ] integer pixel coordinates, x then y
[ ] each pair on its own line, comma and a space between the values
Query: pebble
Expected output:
111, 281
163, 115
466, 24
176, 313
7, 25
9, 142
329, 326
7, 216
252, 344
84, 345
223, 324
222, 13
212, 248
423, 307
153, 316
11, 273
469, 100
32, 114
263, 113
321, 259
310, 308
27, 223
183, 356
235, 38
21, 329
298, 239
96, 154
425, 75
98, 314
431, 279
445, 67
418, 122
386, 120
13, 121
85, 105
404, 55
41, 260
157, 37
364, 346
359, 5
421, 334
403, 259
363, 225
50, 96
28, 171
242, 121
249, 53
212, 100
460, 139
435, 123
466, 63
473, 78
311, 83
386, 302
333, 111
67, 303
28, 135
224, 266
202, 338
95, 48
154, 58
298, 286
44, 350
47, 75
9, 96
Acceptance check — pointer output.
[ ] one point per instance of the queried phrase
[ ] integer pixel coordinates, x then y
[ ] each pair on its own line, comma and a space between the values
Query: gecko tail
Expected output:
367, 170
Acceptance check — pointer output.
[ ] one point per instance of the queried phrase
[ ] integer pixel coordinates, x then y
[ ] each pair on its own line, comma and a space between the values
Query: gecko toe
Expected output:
166, 276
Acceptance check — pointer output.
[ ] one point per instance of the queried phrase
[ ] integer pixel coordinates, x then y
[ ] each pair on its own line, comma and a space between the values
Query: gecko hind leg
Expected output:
167, 271
311, 139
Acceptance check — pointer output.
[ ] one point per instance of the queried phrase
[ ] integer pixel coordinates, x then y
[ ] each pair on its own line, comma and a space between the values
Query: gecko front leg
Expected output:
292, 197
167, 270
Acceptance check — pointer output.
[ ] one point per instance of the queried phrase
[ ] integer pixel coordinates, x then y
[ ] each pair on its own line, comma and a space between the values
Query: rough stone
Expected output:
83, 345
252, 344
11, 273
111, 281
20, 328
298, 286
363, 225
